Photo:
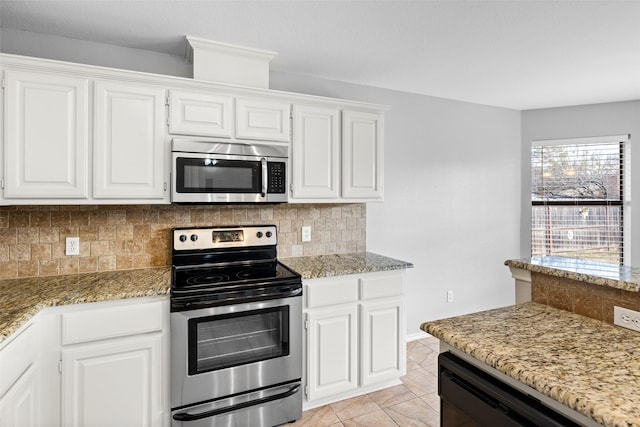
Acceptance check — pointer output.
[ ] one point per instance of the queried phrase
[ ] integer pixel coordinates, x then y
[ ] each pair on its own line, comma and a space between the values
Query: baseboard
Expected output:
417, 336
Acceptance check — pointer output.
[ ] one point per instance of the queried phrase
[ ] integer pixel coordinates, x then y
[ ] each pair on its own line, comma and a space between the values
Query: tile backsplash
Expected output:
32, 238
586, 299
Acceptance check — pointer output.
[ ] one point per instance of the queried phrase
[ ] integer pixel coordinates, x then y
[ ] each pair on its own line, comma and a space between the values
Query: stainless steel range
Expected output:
236, 329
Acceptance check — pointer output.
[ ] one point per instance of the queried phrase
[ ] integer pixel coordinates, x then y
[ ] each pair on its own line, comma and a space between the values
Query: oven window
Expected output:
227, 340
217, 176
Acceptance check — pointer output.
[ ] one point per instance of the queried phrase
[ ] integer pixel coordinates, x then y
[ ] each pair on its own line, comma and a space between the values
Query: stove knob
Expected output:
259, 234
183, 237
194, 237
269, 234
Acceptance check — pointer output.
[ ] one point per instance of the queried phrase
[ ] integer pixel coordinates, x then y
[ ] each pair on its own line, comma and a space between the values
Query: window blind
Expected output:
577, 195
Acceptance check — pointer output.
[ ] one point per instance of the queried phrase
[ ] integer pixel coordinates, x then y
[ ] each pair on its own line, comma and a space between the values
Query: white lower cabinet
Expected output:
355, 335
95, 364
113, 383
333, 351
114, 363
382, 352
19, 369
19, 406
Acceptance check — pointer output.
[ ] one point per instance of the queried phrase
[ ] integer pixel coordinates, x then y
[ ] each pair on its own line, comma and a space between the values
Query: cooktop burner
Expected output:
207, 278
257, 273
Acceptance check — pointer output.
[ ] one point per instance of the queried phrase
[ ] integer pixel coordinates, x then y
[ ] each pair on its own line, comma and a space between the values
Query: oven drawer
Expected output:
269, 407
110, 321
331, 291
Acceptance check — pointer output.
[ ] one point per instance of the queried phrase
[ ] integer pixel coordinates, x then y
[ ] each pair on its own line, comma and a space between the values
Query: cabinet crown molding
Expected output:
27, 63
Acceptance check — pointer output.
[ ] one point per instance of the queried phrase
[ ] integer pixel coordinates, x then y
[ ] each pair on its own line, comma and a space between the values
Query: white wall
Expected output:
615, 118
452, 192
452, 180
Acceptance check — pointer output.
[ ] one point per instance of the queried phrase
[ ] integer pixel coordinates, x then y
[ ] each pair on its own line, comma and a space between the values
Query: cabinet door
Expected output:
362, 155
194, 113
19, 406
113, 383
332, 351
315, 153
47, 137
129, 145
262, 120
381, 340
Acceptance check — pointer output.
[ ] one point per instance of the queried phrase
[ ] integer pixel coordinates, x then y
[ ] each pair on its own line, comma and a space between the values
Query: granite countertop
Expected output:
313, 267
588, 365
21, 299
598, 273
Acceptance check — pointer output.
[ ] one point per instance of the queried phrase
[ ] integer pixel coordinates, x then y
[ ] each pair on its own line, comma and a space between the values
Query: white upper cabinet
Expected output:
214, 115
200, 114
336, 160
315, 152
260, 119
129, 142
362, 155
78, 134
46, 142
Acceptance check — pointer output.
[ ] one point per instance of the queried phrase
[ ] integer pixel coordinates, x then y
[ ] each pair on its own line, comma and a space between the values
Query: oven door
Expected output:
231, 349
217, 178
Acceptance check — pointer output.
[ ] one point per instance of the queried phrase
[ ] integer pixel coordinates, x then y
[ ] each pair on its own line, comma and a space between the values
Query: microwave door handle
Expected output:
263, 161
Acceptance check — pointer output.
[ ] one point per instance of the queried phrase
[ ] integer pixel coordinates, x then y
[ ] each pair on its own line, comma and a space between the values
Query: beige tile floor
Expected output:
414, 403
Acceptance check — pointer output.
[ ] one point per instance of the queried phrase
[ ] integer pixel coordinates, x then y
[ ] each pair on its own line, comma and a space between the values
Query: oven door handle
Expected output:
265, 180
185, 416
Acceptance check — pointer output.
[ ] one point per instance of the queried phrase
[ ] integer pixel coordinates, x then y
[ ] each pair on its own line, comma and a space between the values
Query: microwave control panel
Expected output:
277, 174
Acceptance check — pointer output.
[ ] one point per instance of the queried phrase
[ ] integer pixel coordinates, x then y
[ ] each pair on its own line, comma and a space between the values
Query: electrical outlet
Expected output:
73, 246
626, 318
449, 296
306, 233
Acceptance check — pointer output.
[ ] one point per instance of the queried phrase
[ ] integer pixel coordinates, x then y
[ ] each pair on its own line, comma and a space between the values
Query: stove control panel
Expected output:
224, 237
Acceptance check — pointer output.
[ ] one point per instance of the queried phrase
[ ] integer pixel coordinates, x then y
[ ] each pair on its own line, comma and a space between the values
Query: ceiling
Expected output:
514, 54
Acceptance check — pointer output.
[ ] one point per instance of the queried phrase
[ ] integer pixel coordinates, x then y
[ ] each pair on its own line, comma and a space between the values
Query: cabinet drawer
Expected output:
331, 291
17, 355
111, 322
381, 285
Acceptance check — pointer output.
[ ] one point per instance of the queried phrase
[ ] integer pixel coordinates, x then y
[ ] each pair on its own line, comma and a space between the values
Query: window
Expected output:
577, 198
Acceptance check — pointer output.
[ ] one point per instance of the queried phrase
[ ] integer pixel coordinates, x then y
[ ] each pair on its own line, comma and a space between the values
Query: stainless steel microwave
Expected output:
224, 172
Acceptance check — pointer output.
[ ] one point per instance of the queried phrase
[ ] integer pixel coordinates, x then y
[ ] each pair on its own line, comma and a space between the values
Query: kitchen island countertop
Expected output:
586, 364
599, 273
